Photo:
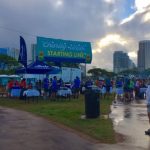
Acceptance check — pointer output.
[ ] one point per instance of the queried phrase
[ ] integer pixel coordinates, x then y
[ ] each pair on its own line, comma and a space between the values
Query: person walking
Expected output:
148, 107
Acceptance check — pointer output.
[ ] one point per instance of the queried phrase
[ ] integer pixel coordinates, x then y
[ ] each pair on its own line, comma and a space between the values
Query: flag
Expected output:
23, 52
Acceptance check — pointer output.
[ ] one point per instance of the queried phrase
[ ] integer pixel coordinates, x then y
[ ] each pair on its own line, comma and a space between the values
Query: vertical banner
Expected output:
23, 52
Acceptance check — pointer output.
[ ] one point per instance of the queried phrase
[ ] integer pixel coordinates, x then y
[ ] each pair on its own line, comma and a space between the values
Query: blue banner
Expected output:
59, 50
23, 52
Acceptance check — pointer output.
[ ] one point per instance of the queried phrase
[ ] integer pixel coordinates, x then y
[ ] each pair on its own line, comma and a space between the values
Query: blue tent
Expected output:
38, 67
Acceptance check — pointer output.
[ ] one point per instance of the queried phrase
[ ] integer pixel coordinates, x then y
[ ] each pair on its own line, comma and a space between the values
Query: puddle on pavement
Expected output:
131, 121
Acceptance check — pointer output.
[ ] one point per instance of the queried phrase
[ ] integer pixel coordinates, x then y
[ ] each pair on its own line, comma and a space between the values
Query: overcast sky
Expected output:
109, 25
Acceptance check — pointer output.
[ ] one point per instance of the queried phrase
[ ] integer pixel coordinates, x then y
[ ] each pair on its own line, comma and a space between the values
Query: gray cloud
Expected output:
83, 20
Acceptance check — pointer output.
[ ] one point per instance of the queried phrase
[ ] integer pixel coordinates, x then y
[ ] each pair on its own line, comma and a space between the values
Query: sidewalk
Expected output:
23, 131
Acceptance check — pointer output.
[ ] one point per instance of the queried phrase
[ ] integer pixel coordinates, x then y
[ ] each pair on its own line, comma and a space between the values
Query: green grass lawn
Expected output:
69, 114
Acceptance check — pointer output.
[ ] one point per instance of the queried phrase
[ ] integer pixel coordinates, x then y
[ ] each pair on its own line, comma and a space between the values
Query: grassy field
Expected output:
69, 114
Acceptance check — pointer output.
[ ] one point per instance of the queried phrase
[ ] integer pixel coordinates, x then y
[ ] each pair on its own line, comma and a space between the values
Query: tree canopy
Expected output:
7, 64
65, 64
97, 72
129, 71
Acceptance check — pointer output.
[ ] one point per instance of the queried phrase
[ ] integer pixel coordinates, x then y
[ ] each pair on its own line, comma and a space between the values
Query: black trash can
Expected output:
141, 95
92, 103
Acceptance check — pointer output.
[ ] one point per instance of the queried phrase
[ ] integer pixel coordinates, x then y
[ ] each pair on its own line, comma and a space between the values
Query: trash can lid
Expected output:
94, 88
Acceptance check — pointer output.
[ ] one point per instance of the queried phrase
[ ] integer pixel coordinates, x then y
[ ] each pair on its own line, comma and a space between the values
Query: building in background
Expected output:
33, 50
131, 64
144, 55
12, 52
121, 62
4, 51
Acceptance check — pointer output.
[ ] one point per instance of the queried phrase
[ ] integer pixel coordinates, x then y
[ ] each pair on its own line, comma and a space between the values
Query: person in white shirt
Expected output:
148, 107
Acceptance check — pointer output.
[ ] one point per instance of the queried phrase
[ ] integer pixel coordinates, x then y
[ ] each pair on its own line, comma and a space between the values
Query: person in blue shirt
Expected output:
88, 84
119, 89
46, 87
54, 87
60, 83
108, 85
76, 86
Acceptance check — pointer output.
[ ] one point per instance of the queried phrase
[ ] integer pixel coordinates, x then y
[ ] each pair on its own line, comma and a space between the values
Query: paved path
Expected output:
21, 130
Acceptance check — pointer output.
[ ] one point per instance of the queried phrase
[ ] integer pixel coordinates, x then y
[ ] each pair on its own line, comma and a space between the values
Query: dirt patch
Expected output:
120, 138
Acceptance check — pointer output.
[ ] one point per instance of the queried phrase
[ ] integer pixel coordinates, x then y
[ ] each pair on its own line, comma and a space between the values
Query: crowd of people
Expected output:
46, 87
131, 89
123, 88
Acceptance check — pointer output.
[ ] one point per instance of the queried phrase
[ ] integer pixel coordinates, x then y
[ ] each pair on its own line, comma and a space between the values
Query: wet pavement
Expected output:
21, 131
131, 121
